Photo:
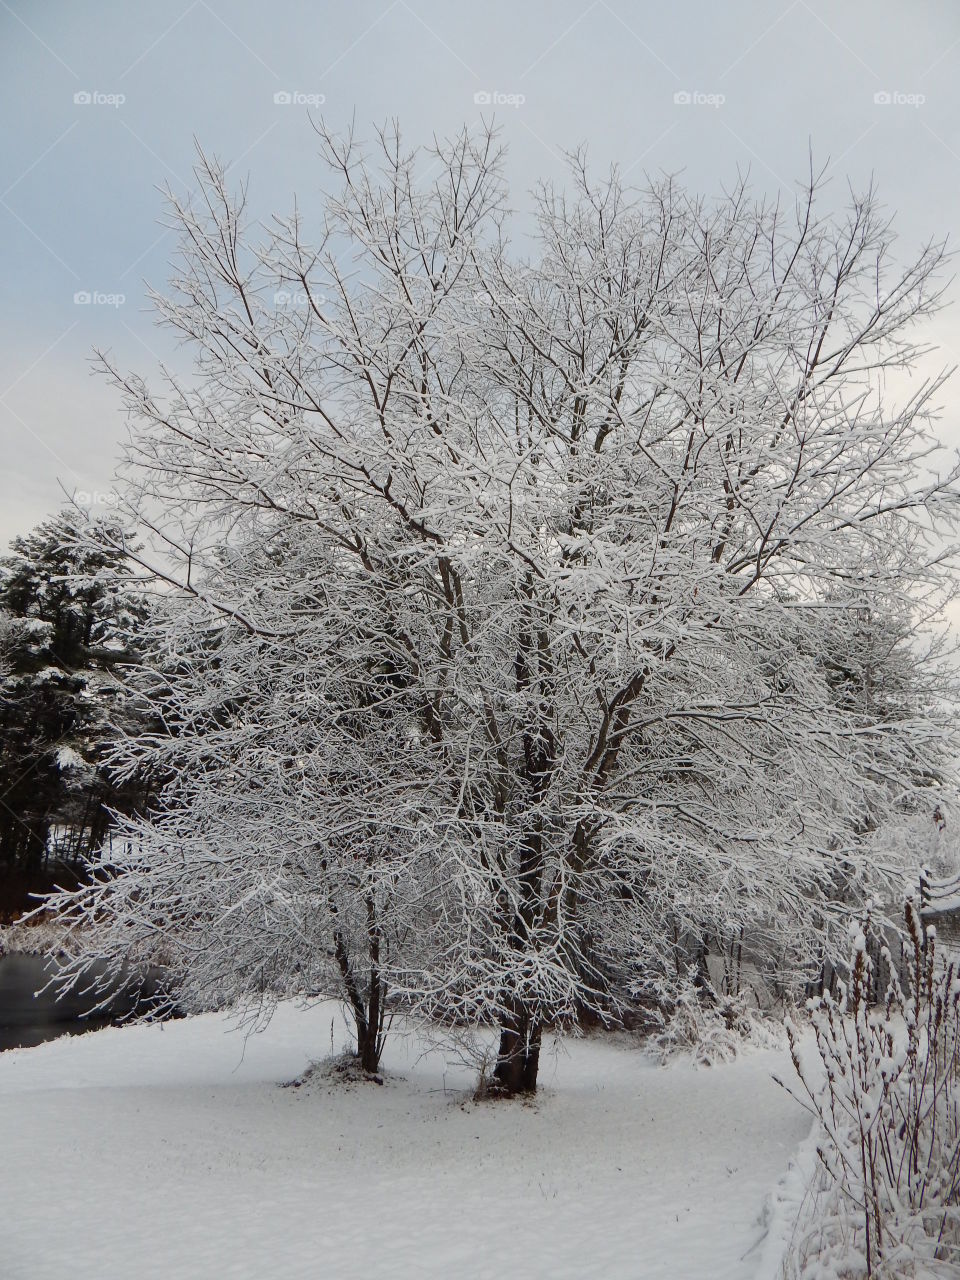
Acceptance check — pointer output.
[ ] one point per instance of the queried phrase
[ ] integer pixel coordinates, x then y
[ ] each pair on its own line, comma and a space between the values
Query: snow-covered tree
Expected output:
68, 626
590, 509
291, 853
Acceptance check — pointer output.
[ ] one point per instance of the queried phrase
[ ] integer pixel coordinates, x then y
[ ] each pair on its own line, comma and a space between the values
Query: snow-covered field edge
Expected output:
789, 1207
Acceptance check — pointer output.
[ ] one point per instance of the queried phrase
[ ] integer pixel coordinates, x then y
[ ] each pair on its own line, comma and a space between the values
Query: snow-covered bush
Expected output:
885, 1089
710, 1026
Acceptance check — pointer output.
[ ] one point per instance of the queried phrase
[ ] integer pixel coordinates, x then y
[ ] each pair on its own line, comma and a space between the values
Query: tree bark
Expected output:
369, 1045
518, 1059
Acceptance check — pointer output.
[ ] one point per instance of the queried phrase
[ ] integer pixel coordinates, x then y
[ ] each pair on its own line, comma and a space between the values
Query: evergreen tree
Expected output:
67, 627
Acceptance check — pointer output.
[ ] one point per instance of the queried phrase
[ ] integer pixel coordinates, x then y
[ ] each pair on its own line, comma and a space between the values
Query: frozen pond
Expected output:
28, 1018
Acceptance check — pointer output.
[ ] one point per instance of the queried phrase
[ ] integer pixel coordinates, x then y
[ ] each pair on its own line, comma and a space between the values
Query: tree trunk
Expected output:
518, 1059
367, 1019
369, 1045
369, 1016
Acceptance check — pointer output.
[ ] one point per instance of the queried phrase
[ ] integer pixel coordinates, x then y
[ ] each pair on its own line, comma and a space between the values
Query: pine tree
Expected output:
68, 627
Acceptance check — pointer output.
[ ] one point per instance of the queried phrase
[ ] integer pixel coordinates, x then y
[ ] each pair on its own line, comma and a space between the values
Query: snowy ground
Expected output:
170, 1151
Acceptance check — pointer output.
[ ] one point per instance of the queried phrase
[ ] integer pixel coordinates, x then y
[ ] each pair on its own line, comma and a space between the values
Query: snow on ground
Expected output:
170, 1152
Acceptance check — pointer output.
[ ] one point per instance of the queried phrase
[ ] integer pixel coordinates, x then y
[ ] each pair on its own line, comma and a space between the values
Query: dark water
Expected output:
29, 1016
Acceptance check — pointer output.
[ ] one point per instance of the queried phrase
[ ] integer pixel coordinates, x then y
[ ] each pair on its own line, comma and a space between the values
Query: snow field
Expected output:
170, 1151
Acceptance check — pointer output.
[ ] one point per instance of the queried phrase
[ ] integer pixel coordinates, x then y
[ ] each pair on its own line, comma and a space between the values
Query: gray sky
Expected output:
79, 208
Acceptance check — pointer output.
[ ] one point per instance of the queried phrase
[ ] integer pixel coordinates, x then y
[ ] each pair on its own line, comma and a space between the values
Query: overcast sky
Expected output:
102, 101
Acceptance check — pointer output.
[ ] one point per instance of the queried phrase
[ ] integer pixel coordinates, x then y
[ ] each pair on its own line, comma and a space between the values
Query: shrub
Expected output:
711, 1027
884, 1086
